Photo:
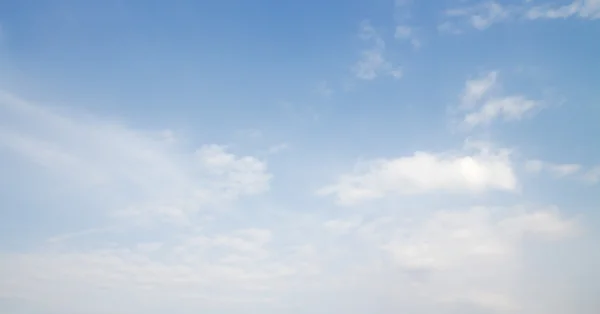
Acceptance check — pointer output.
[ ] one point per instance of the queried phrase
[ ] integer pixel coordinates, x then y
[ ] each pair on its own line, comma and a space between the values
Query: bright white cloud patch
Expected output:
469, 171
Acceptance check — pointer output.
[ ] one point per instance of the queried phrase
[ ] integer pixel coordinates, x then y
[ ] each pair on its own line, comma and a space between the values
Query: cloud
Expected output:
231, 270
576, 171
593, 175
474, 170
276, 149
486, 14
444, 258
585, 9
404, 32
475, 89
373, 62
449, 28
510, 108
451, 239
324, 89
454, 251
342, 226
561, 170
482, 106
103, 216
481, 16
439, 259
133, 173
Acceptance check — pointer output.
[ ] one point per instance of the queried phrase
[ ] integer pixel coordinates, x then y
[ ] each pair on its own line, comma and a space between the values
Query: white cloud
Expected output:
475, 89
481, 16
230, 270
463, 172
453, 238
208, 246
373, 62
449, 28
324, 89
510, 108
560, 170
491, 13
405, 32
482, 106
572, 170
132, 173
439, 259
545, 223
342, 226
593, 175
585, 9
454, 252
484, 15
276, 149
371, 65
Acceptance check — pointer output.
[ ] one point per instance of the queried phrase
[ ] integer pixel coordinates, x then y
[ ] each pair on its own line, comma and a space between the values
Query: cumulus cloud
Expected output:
474, 170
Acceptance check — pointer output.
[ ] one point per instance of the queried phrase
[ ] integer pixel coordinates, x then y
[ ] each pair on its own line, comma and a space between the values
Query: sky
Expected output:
299, 157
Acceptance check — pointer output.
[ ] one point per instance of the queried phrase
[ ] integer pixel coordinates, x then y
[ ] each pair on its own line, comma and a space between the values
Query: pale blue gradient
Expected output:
274, 80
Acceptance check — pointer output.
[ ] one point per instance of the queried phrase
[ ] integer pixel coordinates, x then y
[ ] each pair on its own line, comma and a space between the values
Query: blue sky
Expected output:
299, 157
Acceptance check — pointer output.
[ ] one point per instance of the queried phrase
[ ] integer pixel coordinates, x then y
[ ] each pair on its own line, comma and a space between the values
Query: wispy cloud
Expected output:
585, 9
483, 106
561, 170
485, 14
150, 173
480, 16
404, 32
324, 89
373, 62
593, 175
